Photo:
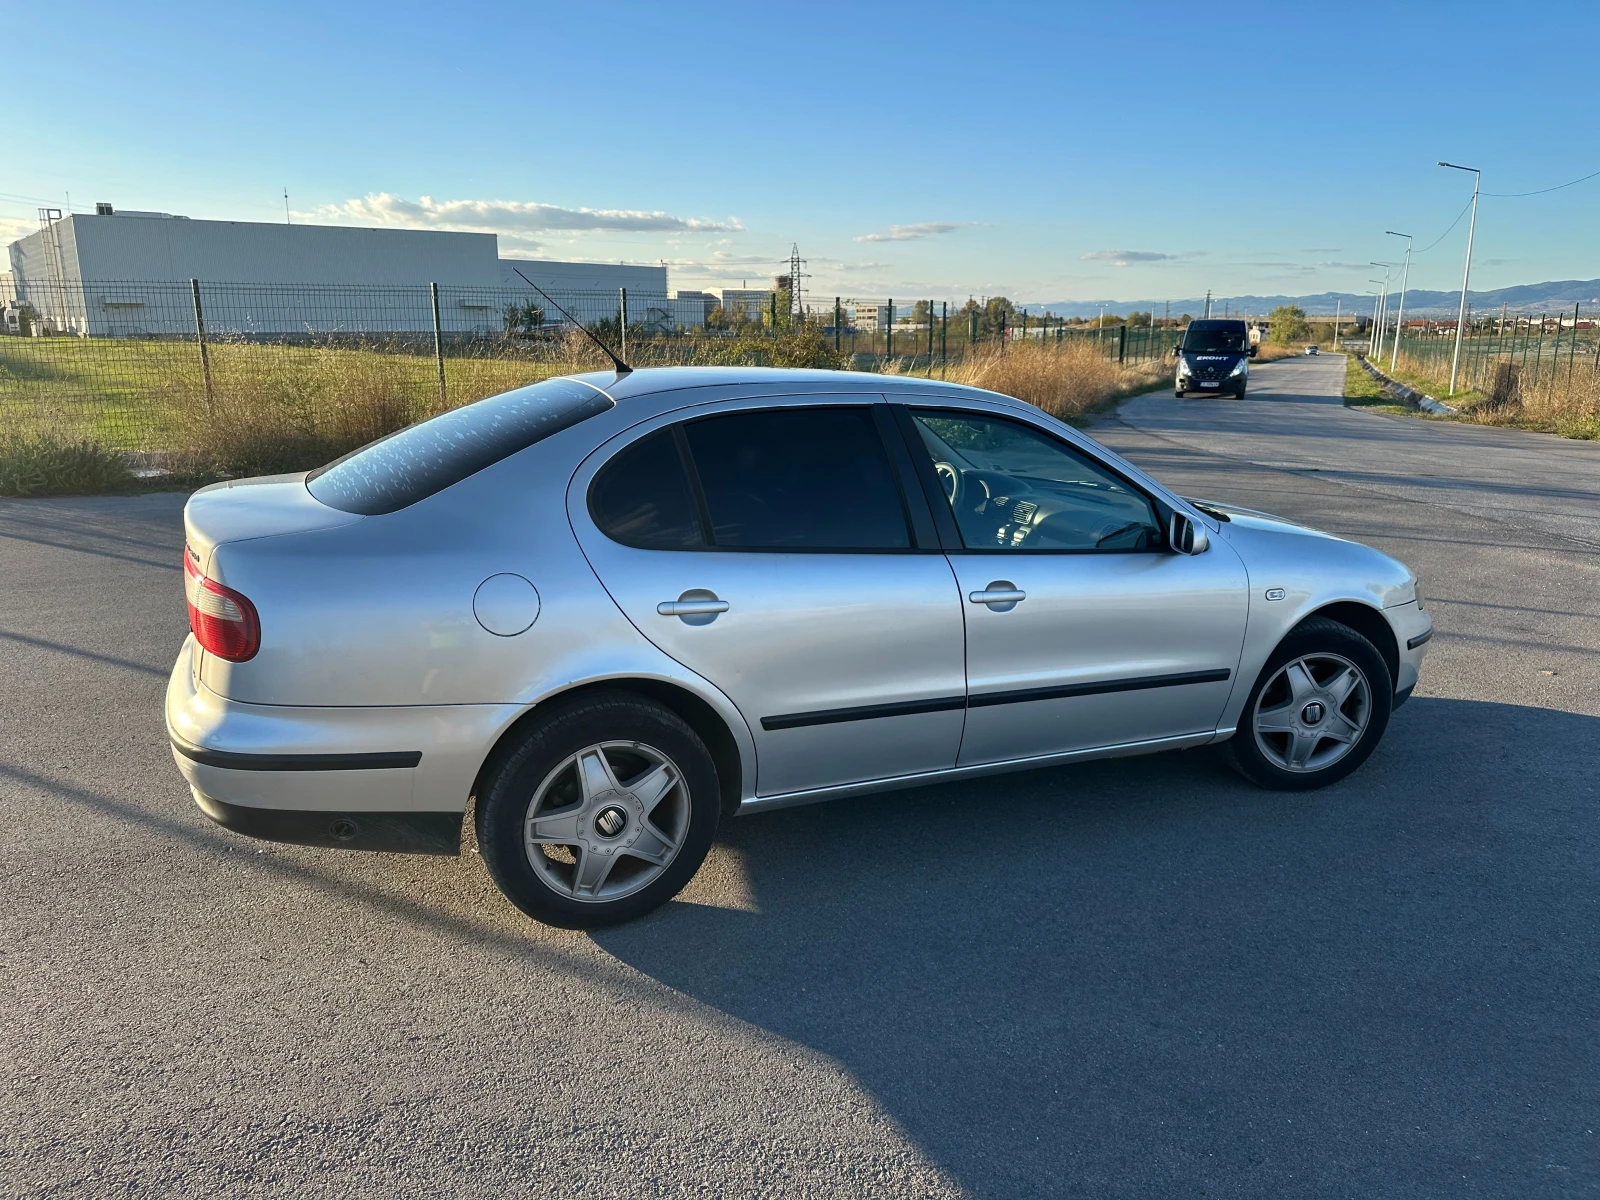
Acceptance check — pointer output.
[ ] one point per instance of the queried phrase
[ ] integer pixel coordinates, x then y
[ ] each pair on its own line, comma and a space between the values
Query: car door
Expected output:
1084, 629
772, 548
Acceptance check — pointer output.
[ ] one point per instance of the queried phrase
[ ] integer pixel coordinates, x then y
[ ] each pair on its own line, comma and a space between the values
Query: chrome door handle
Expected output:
1001, 596
691, 608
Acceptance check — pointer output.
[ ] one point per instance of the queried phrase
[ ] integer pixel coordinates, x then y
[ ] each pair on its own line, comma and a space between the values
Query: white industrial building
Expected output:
128, 274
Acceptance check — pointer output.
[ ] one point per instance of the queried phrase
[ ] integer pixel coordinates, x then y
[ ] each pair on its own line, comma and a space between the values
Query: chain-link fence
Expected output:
1504, 358
129, 365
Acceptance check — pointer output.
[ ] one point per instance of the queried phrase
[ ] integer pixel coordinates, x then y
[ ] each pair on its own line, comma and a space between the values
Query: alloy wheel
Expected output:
607, 821
1312, 712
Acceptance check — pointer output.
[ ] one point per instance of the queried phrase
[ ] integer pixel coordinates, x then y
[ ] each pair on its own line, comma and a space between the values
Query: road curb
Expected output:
1409, 395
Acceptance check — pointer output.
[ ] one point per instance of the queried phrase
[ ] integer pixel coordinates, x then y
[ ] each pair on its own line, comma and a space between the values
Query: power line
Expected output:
1446, 233
1541, 191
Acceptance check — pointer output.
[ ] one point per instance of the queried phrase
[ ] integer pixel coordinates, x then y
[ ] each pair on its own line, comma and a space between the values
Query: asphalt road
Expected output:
1143, 978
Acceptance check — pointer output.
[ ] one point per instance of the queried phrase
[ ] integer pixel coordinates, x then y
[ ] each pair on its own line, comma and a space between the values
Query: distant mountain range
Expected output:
1556, 296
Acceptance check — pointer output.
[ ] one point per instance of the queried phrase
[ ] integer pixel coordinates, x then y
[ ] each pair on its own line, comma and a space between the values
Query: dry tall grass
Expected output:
1069, 380
1562, 399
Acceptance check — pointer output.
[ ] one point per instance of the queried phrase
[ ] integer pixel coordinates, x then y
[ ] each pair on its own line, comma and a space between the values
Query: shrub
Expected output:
46, 465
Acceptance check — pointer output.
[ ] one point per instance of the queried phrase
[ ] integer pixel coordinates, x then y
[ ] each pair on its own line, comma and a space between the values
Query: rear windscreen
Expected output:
428, 457
1216, 337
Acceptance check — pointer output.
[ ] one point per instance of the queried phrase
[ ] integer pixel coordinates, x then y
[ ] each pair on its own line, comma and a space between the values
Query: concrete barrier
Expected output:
1408, 395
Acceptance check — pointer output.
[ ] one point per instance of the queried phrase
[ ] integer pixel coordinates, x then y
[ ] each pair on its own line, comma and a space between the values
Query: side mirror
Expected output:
1175, 352
1185, 536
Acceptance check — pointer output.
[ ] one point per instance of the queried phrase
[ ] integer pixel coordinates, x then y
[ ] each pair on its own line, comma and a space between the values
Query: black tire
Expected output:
510, 781
1240, 392
1178, 393
1314, 636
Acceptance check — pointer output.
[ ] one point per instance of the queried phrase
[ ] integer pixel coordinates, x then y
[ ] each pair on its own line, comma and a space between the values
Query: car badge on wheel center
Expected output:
1312, 713
610, 821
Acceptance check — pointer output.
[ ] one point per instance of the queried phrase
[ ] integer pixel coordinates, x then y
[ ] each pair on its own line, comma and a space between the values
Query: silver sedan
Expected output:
608, 610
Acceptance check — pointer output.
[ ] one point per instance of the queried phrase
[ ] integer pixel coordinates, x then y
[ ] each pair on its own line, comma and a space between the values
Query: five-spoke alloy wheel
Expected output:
599, 811
1317, 710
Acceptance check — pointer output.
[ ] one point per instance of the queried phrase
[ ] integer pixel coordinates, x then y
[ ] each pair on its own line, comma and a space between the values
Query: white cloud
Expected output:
12, 228
514, 219
1123, 258
911, 233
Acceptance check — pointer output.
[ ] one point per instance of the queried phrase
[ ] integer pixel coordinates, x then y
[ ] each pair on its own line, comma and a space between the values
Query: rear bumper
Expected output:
400, 776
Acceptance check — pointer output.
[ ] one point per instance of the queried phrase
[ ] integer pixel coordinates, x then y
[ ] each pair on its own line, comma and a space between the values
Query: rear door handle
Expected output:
1001, 596
691, 608
695, 607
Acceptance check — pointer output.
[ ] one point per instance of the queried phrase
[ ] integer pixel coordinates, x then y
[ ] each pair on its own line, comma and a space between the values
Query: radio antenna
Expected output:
622, 367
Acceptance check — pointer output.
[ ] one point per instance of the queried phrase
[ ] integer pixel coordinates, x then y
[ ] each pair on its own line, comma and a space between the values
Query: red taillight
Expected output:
223, 621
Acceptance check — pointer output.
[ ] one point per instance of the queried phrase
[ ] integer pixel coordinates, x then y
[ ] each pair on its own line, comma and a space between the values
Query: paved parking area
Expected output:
1142, 978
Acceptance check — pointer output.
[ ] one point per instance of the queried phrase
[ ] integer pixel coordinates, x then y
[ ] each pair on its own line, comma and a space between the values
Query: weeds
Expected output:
1070, 380
46, 465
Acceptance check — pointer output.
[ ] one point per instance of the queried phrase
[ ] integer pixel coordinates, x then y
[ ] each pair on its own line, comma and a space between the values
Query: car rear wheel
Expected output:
1317, 711
600, 812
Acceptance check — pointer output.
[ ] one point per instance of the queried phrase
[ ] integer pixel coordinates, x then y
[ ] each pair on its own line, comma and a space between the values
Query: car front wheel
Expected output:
1318, 709
600, 812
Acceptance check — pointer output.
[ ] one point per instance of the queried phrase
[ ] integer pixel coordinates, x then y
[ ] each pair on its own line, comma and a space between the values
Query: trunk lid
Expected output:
241, 509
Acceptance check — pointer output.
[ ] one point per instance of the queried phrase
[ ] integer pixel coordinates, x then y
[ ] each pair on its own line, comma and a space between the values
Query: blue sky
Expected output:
1043, 151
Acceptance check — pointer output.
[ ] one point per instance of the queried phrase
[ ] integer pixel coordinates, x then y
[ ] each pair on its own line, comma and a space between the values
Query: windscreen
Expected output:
1216, 337
413, 464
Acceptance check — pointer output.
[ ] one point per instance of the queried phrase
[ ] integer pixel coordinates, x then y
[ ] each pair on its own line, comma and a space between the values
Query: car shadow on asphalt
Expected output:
1128, 977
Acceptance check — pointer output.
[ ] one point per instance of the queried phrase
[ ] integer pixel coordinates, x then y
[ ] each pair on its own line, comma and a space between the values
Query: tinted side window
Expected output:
798, 479
428, 457
642, 498
1012, 487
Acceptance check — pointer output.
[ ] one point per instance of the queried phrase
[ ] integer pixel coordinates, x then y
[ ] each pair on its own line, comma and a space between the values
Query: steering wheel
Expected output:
950, 480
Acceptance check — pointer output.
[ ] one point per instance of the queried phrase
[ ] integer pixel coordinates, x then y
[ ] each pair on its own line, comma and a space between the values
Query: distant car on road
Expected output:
1214, 356
1312, 350
611, 609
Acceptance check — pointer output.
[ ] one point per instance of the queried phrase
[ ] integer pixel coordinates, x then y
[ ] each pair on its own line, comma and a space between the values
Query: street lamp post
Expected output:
1466, 272
1383, 310
1377, 304
1405, 276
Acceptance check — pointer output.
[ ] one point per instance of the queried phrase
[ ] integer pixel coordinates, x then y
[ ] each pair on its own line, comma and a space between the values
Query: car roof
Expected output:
648, 381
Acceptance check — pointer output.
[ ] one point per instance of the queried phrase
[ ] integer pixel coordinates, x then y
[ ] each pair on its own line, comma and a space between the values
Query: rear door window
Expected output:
642, 498
798, 479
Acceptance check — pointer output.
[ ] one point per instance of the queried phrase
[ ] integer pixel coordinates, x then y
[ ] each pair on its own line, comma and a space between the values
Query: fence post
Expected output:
773, 307
888, 337
1573, 349
200, 340
944, 336
838, 321
438, 343
1122, 343
622, 322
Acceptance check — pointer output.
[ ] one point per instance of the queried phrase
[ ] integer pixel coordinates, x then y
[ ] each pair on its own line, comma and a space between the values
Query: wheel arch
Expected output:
707, 724
1371, 624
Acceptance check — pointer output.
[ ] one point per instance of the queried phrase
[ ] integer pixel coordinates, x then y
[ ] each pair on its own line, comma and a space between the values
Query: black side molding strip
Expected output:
391, 832
1413, 643
386, 760
1098, 688
866, 712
